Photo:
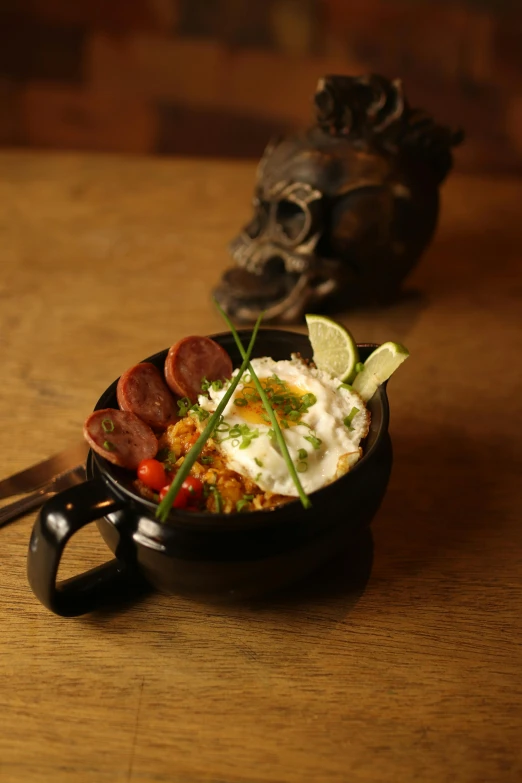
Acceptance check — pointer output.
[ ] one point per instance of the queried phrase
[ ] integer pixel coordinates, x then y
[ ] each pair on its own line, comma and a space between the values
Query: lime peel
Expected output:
378, 368
334, 349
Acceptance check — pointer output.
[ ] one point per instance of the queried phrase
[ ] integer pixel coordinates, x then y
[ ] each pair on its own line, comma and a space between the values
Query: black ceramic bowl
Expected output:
209, 556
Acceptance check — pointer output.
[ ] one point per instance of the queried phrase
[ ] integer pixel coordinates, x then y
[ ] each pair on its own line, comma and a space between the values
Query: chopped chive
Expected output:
240, 402
205, 385
316, 442
348, 419
200, 412
345, 386
217, 497
359, 367
241, 504
258, 462
108, 446
183, 405
235, 442
257, 477
302, 467
273, 418
302, 454
217, 385
107, 425
164, 507
206, 460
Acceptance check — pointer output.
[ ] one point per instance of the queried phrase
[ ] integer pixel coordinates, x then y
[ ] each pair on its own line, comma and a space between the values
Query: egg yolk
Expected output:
288, 402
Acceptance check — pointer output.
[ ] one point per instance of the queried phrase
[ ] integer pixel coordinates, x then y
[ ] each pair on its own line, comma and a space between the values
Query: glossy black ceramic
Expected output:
207, 556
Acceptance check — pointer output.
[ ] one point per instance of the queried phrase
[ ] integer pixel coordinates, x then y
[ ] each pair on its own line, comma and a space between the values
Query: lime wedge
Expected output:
378, 367
335, 350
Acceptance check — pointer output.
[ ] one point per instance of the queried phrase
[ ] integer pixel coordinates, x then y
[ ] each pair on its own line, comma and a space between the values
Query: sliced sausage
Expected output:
142, 390
120, 436
192, 359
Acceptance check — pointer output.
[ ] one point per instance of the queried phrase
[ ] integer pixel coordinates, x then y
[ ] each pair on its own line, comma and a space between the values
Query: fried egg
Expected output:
322, 423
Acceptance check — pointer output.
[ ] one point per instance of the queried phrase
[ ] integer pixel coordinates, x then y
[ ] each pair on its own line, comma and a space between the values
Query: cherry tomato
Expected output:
195, 489
163, 491
152, 473
189, 494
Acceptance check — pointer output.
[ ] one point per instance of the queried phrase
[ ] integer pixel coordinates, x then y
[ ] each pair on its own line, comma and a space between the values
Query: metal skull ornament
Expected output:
343, 210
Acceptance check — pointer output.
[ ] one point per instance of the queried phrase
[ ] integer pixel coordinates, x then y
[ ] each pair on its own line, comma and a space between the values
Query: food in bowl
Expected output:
221, 429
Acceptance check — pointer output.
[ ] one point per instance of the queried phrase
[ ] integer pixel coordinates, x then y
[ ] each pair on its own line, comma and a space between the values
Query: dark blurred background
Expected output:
219, 77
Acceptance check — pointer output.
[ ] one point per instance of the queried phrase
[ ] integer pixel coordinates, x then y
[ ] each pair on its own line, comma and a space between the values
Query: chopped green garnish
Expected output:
302, 454
348, 419
316, 442
108, 446
242, 432
258, 462
240, 402
243, 502
206, 460
309, 399
217, 385
198, 411
345, 386
302, 467
107, 425
257, 477
205, 385
217, 497
184, 406
359, 367
169, 460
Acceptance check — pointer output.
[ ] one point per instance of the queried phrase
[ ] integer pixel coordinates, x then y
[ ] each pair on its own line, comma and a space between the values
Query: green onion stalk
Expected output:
162, 512
305, 500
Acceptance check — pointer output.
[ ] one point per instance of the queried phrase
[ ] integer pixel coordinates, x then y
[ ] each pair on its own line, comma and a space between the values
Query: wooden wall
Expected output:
219, 77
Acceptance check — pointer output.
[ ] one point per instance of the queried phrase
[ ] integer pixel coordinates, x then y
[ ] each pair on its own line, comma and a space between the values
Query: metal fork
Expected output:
27, 503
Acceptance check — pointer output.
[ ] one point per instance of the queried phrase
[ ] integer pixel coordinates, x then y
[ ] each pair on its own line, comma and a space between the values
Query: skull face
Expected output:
283, 232
319, 212
275, 254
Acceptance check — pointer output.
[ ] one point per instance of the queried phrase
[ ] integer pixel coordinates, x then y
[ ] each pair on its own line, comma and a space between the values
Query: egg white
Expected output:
262, 461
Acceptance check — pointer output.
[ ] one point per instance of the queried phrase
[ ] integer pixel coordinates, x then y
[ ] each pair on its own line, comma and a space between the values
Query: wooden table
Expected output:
409, 673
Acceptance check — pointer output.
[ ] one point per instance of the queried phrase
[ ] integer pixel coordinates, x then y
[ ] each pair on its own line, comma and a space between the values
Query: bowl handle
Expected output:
59, 519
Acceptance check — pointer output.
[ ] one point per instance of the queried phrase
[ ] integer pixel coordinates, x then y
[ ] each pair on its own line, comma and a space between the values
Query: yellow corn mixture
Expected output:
211, 469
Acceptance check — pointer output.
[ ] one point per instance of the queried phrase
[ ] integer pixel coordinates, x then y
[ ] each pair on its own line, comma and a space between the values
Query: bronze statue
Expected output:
342, 211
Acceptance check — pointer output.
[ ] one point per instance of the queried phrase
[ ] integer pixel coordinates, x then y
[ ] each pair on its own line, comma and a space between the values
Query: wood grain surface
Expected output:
400, 662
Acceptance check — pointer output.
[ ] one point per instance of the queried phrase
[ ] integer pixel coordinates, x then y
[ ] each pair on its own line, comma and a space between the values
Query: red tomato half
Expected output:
194, 487
152, 473
189, 494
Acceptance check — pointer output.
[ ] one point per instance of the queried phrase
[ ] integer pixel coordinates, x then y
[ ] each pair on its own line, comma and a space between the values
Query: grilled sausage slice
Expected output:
191, 360
142, 390
120, 436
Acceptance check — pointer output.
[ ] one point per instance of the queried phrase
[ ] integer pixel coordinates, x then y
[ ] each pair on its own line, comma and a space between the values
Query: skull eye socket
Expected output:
259, 221
291, 219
